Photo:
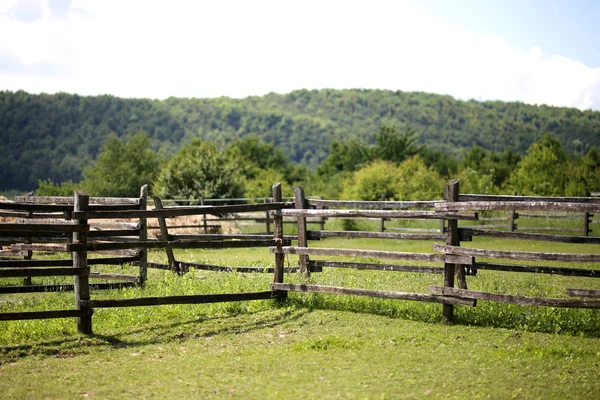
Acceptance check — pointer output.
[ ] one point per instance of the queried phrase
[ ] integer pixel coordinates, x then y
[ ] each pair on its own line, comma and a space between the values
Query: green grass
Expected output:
312, 346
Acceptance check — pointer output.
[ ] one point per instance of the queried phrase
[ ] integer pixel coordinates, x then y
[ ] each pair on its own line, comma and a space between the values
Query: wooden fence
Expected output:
450, 258
453, 259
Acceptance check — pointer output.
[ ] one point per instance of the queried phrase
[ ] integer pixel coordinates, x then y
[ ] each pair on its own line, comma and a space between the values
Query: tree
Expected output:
344, 156
394, 147
542, 171
197, 171
410, 180
122, 167
252, 155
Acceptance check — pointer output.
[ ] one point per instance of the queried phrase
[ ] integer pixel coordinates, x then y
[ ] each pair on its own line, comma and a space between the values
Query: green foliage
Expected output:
410, 180
49, 188
472, 181
394, 147
542, 170
56, 136
261, 185
253, 155
199, 170
122, 167
345, 156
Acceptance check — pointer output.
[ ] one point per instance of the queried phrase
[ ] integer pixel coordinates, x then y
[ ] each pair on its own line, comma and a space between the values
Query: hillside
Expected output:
55, 136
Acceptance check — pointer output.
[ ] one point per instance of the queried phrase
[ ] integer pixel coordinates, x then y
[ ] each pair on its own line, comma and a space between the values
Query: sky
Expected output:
533, 51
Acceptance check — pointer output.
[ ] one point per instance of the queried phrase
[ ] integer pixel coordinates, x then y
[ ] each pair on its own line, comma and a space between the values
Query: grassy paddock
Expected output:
314, 346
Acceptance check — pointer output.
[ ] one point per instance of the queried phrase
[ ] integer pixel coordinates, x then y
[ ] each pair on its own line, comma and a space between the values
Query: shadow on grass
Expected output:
566, 321
156, 334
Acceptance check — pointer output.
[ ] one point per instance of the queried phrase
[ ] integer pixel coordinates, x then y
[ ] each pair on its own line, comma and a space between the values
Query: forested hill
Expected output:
54, 136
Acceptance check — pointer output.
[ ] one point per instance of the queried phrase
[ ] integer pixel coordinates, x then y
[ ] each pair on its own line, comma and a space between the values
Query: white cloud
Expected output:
237, 48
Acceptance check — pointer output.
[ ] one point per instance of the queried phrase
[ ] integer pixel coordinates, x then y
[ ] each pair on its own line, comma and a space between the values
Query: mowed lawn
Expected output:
311, 346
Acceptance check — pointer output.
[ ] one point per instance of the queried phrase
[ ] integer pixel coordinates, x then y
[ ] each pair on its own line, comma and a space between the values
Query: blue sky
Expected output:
569, 28
538, 52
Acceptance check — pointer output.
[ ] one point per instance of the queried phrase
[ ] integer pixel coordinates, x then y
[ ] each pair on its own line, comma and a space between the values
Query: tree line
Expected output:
58, 136
392, 164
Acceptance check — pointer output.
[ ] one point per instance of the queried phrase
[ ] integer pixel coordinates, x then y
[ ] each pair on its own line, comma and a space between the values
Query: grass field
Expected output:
311, 346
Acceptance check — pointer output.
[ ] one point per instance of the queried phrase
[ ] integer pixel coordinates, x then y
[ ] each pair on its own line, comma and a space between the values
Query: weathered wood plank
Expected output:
53, 248
549, 229
394, 255
508, 198
536, 269
112, 233
82, 284
315, 235
143, 227
123, 277
300, 202
44, 271
467, 232
64, 263
551, 216
583, 293
407, 214
9, 205
14, 316
164, 232
516, 255
370, 293
185, 266
319, 264
373, 205
191, 299
420, 230
278, 270
179, 244
69, 200
38, 228
516, 205
221, 237
64, 288
183, 211
451, 192
521, 300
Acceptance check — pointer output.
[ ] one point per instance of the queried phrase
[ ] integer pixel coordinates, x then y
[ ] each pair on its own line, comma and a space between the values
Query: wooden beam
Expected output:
170, 212
291, 287
192, 299
516, 255
394, 255
64, 288
520, 300
516, 205
406, 214
589, 273
319, 264
467, 232
374, 205
315, 235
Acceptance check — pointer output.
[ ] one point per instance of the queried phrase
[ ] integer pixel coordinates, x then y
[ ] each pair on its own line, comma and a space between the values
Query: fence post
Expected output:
143, 223
267, 218
278, 237
382, 221
82, 285
451, 195
164, 234
204, 216
323, 219
586, 217
27, 280
511, 220
300, 202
